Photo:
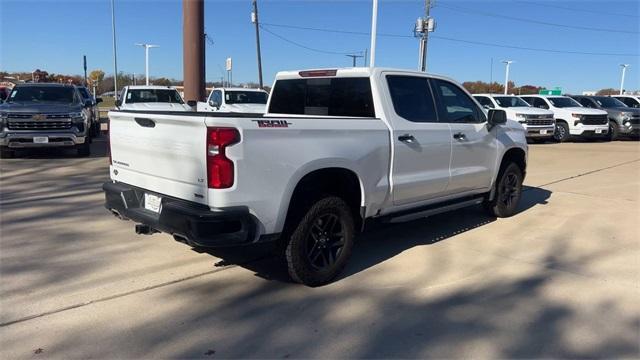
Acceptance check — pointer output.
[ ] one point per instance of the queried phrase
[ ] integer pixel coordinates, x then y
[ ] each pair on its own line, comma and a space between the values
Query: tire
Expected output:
507, 193
321, 243
84, 149
6, 153
562, 132
614, 132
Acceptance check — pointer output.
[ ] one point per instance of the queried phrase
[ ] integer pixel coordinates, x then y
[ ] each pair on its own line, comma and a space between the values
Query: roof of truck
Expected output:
152, 87
348, 72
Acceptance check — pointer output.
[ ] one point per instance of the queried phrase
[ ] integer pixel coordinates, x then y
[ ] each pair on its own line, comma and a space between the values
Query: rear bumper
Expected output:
190, 222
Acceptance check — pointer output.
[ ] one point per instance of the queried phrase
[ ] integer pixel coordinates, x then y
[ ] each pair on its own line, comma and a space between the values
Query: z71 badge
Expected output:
272, 123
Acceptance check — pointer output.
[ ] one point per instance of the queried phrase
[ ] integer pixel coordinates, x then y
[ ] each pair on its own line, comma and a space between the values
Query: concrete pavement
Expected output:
560, 279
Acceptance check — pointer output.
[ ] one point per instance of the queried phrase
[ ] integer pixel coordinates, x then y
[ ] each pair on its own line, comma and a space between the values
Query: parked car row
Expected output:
563, 117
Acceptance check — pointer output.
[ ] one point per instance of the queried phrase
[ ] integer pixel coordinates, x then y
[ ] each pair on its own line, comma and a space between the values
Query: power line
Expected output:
489, 14
452, 39
575, 9
301, 45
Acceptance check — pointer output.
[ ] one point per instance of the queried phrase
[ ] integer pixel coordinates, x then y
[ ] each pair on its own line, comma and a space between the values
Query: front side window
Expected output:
216, 97
631, 102
153, 96
586, 102
412, 98
85, 93
324, 97
455, 105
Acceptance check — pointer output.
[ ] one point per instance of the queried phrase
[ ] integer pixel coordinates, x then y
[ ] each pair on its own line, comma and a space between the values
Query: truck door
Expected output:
474, 148
421, 144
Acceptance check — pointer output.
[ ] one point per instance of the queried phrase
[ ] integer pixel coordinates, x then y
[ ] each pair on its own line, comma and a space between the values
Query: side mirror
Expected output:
214, 104
118, 103
497, 117
192, 103
98, 100
88, 103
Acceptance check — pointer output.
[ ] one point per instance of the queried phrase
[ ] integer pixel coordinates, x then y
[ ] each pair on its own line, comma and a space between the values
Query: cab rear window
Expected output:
323, 97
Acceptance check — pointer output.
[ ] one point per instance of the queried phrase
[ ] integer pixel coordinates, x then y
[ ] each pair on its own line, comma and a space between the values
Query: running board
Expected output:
433, 209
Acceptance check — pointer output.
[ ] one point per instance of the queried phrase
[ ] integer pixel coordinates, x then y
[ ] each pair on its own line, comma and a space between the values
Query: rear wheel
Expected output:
507, 193
562, 132
321, 243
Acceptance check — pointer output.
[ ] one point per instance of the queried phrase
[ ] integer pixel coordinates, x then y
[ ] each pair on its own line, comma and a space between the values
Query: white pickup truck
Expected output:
539, 123
236, 100
151, 97
336, 148
572, 119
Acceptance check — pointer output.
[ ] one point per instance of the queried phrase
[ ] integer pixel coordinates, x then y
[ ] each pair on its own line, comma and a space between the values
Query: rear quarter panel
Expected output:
270, 161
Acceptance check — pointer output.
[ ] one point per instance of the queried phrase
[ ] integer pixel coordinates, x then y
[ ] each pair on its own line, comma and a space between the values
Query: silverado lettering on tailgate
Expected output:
273, 123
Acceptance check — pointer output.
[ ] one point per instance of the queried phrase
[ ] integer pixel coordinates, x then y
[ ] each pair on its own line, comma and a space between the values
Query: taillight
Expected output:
220, 169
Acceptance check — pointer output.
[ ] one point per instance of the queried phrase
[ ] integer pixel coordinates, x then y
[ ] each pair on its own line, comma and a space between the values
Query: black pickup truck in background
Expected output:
37, 115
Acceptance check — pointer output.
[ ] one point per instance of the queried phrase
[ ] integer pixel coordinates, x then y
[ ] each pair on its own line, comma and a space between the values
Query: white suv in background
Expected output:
572, 119
538, 123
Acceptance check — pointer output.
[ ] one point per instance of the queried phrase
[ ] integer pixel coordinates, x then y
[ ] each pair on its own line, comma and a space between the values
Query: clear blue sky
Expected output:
62, 31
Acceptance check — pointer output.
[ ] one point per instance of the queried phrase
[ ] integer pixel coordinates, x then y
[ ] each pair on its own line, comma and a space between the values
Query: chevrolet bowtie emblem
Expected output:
39, 117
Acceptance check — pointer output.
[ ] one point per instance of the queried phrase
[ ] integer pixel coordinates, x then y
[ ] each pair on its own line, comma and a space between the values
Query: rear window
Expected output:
153, 96
323, 97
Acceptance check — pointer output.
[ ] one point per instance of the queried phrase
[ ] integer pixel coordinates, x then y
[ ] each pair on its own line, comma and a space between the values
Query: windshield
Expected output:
563, 102
245, 97
608, 102
55, 94
153, 96
510, 101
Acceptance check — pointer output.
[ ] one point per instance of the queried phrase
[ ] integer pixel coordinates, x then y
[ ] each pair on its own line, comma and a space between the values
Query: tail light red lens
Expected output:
220, 169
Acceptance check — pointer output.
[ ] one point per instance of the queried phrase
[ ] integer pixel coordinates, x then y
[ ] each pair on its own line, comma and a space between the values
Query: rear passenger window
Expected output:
324, 97
455, 105
412, 98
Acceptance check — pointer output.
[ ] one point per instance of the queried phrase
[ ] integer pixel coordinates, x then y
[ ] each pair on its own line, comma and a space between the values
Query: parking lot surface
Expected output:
560, 279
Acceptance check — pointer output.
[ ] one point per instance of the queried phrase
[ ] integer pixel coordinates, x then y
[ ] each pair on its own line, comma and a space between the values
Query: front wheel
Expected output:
507, 193
562, 132
321, 244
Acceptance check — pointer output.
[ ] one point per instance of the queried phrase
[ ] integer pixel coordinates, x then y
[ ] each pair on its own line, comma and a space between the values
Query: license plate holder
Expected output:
543, 132
598, 131
40, 140
152, 203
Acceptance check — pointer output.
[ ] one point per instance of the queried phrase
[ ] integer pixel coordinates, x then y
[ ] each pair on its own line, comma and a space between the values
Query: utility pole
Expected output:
146, 58
374, 28
624, 70
506, 75
423, 27
491, 76
115, 56
254, 19
193, 50
354, 57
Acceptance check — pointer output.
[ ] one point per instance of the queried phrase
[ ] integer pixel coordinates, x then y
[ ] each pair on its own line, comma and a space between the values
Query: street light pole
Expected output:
624, 70
115, 56
374, 27
506, 75
146, 58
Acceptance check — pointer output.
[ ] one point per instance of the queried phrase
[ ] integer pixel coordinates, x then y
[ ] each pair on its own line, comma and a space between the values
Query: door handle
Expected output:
144, 122
408, 138
459, 136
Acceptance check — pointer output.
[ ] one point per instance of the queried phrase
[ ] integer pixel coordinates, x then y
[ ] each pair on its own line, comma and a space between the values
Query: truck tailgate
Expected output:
160, 152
